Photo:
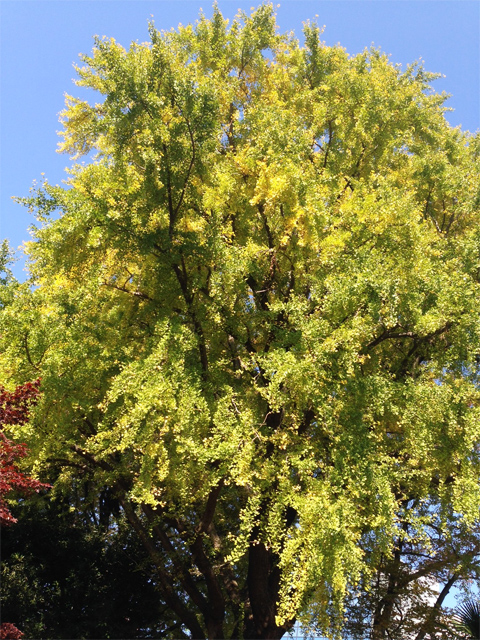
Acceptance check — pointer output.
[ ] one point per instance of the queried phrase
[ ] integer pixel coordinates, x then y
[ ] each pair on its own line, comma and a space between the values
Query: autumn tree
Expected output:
14, 410
255, 314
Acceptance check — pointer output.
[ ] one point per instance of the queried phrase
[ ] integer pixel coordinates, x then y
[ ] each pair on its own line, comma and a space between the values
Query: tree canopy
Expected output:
255, 315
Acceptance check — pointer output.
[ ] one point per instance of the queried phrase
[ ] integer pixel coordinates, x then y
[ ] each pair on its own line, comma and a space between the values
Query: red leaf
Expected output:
14, 410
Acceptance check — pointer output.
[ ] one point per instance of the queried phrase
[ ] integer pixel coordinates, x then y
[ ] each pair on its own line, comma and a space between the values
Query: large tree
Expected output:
256, 314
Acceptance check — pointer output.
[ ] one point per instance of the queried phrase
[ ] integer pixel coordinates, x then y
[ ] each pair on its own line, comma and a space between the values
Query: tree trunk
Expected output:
384, 608
263, 588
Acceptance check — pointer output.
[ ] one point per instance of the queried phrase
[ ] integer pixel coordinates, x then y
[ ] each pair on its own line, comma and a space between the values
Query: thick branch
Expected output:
428, 624
330, 139
171, 210
102, 464
189, 170
213, 610
207, 518
181, 274
181, 571
137, 294
384, 608
391, 334
169, 594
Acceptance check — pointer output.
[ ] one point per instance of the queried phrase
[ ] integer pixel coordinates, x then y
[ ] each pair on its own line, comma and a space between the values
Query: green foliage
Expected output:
255, 313
64, 577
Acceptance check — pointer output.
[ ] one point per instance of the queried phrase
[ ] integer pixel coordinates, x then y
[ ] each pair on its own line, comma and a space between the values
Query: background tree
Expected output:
255, 315
405, 595
9, 631
14, 410
63, 555
65, 575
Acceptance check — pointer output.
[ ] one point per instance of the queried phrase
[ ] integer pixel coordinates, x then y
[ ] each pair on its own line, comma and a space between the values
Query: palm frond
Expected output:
467, 619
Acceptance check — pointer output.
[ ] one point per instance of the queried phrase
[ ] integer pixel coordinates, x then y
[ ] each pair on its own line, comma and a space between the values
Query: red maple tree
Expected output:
14, 410
9, 631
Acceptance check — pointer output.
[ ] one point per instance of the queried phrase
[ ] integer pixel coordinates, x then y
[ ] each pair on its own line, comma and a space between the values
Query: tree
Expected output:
255, 314
66, 576
9, 631
405, 595
14, 410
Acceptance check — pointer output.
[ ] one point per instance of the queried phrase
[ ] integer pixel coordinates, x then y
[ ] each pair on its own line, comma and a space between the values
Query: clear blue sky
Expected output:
41, 39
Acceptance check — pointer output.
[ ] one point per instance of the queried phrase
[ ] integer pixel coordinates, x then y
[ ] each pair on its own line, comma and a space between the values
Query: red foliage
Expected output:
9, 631
14, 408
15, 405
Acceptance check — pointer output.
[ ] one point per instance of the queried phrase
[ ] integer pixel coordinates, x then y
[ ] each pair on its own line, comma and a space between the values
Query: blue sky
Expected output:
41, 39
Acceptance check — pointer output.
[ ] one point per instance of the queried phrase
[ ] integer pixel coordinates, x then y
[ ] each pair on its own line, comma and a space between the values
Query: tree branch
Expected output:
181, 571
428, 624
171, 597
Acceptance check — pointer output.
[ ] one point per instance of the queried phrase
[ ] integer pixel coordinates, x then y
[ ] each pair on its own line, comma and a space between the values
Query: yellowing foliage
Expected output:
256, 314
